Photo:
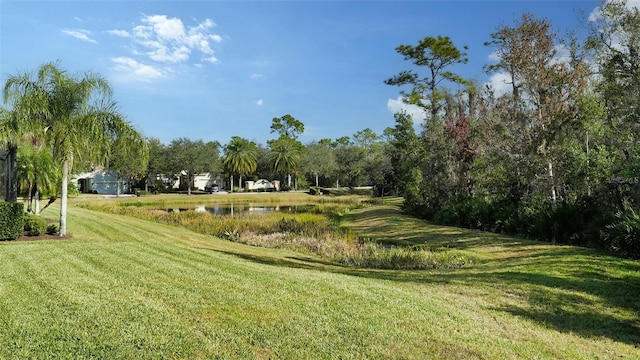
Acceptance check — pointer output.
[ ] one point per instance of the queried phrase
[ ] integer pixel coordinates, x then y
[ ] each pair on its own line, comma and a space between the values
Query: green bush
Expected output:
624, 234
290, 226
34, 225
577, 223
470, 213
72, 189
11, 220
53, 229
284, 187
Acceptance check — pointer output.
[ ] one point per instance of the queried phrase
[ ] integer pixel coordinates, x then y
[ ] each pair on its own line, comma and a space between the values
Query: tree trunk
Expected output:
188, 183
231, 188
316, 180
554, 195
63, 198
10, 179
30, 200
51, 201
588, 180
289, 181
118, 185
240, 182
37, 200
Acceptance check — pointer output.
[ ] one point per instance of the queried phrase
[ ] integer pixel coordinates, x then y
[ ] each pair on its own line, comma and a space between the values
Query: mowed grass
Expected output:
129, 288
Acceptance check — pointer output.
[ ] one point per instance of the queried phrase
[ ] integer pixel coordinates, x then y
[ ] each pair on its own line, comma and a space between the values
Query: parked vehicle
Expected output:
212, 188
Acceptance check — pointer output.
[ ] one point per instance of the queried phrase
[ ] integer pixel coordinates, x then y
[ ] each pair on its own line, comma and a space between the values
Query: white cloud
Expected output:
563, 55
80, 34
596, 13
161, 53
165, 28
633, 4
141, 32
206, 24
167, 40
255, 76
397, 105
120, 33
494, 56
211, 59
133, 70
616, 38
500, 83
260, 102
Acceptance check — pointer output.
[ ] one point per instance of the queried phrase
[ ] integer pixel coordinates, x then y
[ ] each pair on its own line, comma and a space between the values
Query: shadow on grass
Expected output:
387, 225
588, 325
564, 288
290, 262
561, 304
569, 289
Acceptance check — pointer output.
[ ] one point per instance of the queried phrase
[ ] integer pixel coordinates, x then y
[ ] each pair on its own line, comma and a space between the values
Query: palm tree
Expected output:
75, 116
240, 157
284, 156
37, 173
11, 128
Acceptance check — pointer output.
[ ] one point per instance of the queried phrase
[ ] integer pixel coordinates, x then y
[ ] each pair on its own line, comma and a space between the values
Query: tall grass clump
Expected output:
372, 255
315, 233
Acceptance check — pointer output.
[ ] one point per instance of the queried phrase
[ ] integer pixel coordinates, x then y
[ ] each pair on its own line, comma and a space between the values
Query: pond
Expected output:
232, 209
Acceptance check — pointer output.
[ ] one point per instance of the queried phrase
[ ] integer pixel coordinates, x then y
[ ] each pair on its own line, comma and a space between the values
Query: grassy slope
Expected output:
125, 288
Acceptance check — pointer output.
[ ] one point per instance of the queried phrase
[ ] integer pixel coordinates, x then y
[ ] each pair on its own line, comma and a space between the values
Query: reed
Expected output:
316, 232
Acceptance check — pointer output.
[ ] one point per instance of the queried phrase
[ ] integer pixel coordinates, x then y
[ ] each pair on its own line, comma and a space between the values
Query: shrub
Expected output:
34, 225
624, 234
372, 255
577, 223
11, 220
284, 187
53, 229
470, 213
289, 226
72, 189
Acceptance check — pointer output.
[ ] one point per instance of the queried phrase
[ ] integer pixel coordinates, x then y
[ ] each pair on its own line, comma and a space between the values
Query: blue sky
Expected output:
214, 69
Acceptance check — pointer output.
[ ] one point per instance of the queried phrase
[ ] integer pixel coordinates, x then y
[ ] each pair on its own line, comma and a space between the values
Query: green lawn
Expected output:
128, 288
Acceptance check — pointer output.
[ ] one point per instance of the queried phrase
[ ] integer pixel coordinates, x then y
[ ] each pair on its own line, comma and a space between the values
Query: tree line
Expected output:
348, 161
555, 158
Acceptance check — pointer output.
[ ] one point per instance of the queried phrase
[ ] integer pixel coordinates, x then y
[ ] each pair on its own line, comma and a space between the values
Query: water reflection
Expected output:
231, 209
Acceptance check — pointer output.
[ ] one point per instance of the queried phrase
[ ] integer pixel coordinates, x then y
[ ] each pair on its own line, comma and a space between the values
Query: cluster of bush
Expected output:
583, 222
14, 222
36, 226
11, 220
